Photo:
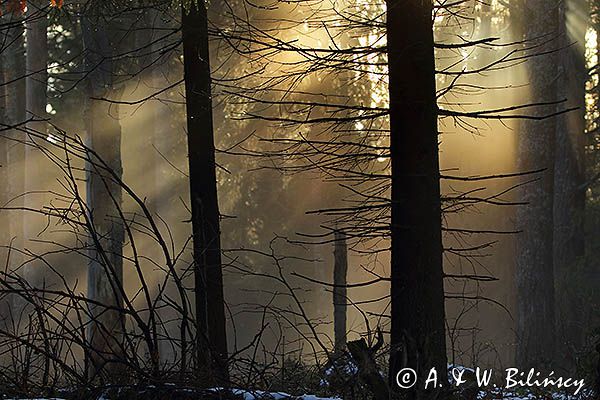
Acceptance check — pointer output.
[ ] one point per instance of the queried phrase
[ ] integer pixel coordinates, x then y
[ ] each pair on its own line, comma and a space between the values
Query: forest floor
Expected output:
241, 394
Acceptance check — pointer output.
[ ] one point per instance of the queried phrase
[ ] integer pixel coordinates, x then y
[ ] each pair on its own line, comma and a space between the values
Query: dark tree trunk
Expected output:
417, 289
104, 196
210, 312
569, 180
340, 296
4, 177
536, 143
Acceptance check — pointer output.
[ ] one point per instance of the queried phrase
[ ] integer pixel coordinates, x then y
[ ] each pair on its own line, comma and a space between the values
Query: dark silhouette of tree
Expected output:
208, 275
340, 292
417, 289
570, 181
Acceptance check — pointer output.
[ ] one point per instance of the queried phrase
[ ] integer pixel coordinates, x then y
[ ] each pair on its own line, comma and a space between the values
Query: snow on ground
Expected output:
247, 395
261, 395
530, 396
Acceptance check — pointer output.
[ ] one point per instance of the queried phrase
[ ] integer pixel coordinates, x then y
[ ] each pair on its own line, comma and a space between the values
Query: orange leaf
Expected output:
19, 6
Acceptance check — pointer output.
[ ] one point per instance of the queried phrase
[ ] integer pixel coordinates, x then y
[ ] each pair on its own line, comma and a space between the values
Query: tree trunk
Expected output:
163, 139
340, 297
569, 180
536, 144
5, 303
105, 273
14, 114
210, 312
164, 145
36, 61
417, 289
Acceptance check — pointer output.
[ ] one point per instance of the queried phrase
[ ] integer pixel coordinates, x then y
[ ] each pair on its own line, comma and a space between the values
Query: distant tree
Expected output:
12, 53
36, 82
104, 195
536, 333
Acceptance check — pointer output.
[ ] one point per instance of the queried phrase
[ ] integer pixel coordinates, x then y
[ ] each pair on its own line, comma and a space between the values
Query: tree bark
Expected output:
104, 196
569, 180
417, 290
340, 296
536, 149
210, 312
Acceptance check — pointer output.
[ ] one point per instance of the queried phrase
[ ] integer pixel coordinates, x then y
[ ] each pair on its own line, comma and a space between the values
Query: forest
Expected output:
300, 199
